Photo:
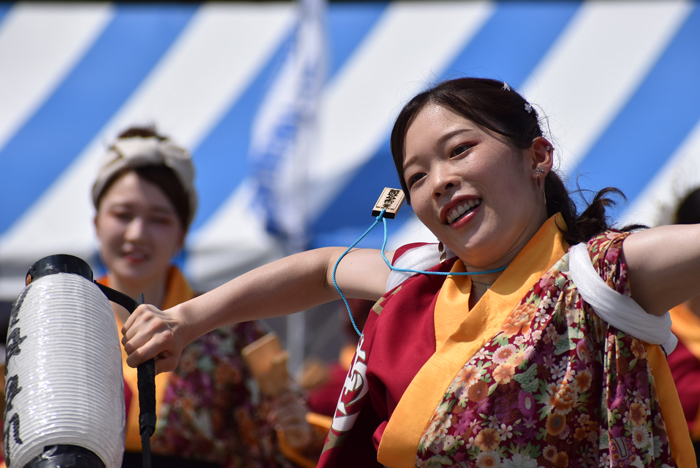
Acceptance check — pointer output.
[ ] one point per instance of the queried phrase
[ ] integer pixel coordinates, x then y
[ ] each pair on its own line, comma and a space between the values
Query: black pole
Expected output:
146, 380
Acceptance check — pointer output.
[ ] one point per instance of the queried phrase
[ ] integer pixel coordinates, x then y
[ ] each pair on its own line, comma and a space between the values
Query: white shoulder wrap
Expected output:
421, 258
620, 311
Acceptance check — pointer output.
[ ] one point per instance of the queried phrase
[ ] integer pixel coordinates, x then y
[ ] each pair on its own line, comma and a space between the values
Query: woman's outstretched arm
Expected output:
283, 287
664, 266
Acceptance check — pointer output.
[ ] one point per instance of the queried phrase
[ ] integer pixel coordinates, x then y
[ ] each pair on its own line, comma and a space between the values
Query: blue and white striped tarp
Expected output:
618, 81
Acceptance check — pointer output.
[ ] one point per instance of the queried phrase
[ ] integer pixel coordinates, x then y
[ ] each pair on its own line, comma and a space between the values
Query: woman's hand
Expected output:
153, 333
288, 415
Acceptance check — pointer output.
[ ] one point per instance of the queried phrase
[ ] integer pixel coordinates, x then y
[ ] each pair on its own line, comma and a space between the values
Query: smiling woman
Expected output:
145, 201
462, 181
139, 231
533, 348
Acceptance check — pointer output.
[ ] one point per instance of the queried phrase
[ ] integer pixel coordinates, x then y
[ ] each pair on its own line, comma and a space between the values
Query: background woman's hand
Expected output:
153, 333
289, 416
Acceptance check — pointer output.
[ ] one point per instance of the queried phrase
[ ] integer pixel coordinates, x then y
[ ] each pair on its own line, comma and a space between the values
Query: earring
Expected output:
544, 193
443, 253
540, 185
540, 171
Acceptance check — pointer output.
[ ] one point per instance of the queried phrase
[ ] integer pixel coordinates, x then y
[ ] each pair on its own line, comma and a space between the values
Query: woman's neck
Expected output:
153, 291
482, 283
480, 286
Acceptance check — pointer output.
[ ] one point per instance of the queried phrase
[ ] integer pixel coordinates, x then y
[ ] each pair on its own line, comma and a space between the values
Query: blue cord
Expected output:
335, 283
438, 273
405, 270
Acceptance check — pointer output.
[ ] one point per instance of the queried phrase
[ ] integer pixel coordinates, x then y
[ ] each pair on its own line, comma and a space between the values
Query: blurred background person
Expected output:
684, 361
209, 410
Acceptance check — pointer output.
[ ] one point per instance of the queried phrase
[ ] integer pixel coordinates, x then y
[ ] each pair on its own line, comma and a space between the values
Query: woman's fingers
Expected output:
145, 323
149, 334
289, 416
143, 313
166, 357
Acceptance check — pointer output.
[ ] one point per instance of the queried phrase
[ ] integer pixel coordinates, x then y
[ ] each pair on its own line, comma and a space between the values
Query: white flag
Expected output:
284, 130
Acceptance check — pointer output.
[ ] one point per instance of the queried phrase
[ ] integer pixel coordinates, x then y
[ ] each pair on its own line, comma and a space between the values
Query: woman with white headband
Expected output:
530, 336
207, 415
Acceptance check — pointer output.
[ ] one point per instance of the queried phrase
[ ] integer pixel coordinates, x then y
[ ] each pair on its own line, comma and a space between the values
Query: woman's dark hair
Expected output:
494, 106
688, 211
161, 176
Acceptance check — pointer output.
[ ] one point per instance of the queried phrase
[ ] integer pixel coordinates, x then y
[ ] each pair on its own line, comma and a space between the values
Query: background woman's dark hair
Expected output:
161, 176
688, 211
494, 106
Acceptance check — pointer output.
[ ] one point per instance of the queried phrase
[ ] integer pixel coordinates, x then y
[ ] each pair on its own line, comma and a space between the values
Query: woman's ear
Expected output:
541, 155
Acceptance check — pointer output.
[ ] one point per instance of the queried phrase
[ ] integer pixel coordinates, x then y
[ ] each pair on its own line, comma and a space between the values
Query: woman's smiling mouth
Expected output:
462, 209
135, 257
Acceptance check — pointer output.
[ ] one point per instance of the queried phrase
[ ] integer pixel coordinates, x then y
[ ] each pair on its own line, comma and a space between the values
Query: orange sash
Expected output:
671, 410
686, 326
460, 333
177, 292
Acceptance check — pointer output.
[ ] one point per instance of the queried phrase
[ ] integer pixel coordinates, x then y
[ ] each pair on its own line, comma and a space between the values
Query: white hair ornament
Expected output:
133, 152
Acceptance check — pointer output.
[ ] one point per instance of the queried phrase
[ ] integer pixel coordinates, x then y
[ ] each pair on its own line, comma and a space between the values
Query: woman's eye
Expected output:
415, 178
162, 220
122, 215
459, 149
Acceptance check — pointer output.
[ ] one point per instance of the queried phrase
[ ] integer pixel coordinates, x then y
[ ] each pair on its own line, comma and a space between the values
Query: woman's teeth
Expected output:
461, 209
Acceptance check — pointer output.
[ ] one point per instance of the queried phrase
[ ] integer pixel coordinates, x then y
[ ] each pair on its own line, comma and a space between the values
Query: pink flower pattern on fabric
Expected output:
212, 410
557, 387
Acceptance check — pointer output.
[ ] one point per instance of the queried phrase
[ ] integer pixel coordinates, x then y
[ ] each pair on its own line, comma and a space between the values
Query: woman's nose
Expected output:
443, 180
136, 229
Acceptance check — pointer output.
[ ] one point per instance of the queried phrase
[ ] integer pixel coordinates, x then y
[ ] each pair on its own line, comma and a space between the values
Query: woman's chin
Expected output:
478, 250
130, 272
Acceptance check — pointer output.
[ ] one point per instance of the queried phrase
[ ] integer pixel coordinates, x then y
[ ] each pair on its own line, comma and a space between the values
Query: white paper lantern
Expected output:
64, 372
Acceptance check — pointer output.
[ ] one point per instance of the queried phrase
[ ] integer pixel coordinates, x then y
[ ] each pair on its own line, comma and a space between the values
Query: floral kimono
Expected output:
529, 377
209, 412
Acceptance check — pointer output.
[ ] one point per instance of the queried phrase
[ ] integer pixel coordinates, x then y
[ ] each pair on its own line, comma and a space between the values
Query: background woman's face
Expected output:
472, 189
138, 230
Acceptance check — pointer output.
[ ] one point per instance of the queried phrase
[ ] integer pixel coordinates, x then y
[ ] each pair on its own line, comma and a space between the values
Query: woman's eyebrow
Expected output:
441, 141
443, 138
162, 209
157, 209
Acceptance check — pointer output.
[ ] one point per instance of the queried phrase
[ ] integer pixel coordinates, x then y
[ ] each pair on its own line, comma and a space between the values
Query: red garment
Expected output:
394, 364
324, 399
685, 368
128, 395
684, 363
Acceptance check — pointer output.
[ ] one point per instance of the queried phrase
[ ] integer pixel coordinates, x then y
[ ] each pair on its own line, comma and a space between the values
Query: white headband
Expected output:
134, 152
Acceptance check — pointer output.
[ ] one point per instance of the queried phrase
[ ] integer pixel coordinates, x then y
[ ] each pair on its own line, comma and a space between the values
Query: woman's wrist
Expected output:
185, 325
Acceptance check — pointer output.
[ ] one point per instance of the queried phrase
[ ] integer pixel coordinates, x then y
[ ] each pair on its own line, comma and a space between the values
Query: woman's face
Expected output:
474, 191
138, 229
